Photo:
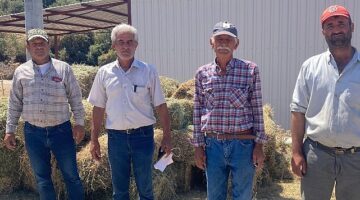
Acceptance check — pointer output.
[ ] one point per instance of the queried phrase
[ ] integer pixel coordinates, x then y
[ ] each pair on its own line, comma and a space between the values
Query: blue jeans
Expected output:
229, 157
137, 149
39, 143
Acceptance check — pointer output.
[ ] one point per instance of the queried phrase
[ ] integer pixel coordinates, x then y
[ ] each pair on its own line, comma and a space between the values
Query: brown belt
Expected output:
243, 135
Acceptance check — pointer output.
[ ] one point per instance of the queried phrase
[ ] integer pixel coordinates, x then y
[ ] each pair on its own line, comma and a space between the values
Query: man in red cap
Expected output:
326, 106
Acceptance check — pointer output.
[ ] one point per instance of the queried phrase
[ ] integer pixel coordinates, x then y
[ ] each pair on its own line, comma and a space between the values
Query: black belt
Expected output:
132, 130
334, 150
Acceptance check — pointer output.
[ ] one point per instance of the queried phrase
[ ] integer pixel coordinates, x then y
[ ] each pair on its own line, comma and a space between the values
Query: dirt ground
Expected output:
277, 191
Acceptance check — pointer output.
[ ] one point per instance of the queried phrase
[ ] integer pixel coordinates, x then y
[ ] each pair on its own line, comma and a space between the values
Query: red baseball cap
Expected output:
334, 10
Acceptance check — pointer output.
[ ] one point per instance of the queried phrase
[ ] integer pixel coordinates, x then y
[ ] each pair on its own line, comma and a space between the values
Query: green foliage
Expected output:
11, 6
63, 2
102, 43
3, 55
47, 3
104, 59
12, 46
76, 47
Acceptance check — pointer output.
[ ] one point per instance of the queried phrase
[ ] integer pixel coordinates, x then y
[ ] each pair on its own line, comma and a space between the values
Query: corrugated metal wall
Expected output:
278, 35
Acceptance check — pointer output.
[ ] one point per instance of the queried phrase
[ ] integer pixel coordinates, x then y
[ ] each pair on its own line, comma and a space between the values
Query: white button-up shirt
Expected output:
330, 101
128, 97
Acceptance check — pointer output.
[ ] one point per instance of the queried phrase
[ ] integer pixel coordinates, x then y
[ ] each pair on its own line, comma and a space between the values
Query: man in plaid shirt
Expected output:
228, 119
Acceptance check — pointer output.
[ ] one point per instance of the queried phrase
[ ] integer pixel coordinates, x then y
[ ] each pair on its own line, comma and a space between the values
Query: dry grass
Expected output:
85, 76
5, 86
168, 85
185, 90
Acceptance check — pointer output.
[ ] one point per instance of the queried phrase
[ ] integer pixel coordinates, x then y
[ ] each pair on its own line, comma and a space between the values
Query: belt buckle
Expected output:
127, 131
217, 135
339, 151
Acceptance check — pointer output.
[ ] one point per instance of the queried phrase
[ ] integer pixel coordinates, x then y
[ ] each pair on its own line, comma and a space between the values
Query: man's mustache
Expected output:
223, 48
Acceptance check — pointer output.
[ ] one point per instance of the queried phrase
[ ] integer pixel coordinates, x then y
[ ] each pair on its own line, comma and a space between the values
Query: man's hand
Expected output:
78, 133
200, 158
258, 156
298, 164
9, 141
166, 143
95, 149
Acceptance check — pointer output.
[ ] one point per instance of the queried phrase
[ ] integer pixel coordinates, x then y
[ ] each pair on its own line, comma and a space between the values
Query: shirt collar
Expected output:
37, 66
230, 65
329, 56
134, 64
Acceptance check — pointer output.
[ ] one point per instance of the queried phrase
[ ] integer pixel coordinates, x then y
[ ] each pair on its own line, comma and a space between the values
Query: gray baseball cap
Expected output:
37, 33
226, 28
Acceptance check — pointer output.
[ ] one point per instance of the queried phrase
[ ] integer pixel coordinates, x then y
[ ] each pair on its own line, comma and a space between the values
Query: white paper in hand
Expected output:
163, 162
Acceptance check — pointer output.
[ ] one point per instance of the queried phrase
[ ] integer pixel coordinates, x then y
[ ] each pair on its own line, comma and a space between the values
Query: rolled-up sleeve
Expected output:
300, 98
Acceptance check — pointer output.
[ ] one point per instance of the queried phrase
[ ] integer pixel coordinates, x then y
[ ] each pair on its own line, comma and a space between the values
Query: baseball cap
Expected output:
37, 33
334, 10
224, 28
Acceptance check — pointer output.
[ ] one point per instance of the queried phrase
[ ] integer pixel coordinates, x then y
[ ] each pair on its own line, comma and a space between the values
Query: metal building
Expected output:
278, 35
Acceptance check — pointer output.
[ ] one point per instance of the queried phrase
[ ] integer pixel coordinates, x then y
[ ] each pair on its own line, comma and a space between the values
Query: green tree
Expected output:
102, 43
3, 55
76, 47
11, 6
47, 3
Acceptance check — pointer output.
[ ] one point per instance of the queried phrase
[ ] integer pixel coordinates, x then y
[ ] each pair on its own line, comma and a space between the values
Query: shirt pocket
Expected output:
353, 95
141, 94
29, 87
238, 97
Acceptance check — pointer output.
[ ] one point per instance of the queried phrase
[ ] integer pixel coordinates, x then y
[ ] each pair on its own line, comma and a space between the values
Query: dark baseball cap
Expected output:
226, 28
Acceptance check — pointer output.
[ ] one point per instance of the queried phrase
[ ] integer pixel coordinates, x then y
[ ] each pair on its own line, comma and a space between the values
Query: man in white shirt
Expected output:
127, 90
326, 106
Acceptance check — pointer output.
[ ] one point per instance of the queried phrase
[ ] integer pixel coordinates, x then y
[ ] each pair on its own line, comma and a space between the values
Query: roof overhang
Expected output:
74, 18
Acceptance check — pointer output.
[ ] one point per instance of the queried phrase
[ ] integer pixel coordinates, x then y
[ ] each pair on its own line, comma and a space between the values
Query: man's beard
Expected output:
339, 40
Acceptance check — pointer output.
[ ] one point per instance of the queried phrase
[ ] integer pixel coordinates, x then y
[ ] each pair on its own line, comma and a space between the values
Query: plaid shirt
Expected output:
43, 100
229, 103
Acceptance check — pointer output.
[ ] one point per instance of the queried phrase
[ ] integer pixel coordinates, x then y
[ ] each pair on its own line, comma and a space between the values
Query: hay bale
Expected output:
277, 153
10, 179
186, 90
96, 176
180, 171
10, 174
180, 112
85, 76
168, 85
188, 106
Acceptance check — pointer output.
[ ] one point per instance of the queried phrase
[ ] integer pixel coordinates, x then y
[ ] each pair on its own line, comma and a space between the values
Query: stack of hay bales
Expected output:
176, 178
277, 159
186, 90
168, 85
95, 176
85, 76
